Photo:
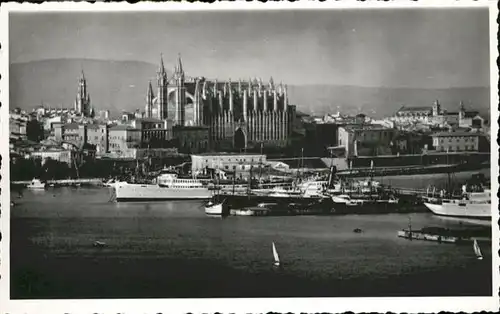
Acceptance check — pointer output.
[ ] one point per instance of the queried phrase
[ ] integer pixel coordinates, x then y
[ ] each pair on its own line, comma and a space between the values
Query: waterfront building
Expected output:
226, 161
82, 102
366, 140
97, 134
123, 138
458, 141
238, 115
58, 154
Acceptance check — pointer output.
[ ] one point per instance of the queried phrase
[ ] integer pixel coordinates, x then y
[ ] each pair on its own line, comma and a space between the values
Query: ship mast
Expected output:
260, 162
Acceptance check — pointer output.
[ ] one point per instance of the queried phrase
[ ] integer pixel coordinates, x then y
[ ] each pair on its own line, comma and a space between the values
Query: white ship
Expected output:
475, 205
36, 184
168, 186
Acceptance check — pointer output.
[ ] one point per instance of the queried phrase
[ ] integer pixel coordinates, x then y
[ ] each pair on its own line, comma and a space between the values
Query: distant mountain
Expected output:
122, 85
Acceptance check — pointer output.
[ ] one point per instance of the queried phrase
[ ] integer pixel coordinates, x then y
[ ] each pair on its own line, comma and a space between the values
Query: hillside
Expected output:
122, 85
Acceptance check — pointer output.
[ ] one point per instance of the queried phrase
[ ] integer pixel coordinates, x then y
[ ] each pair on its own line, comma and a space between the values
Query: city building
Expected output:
239, 115
192, 139
123, 138
97, 134
366, 140
435, 115
319, 137
227, 161
469, 119
73, 133
458, 141
18, 126
408, 115
155, 133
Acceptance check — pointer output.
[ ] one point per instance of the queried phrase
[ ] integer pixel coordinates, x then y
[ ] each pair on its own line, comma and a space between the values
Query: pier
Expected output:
89, 181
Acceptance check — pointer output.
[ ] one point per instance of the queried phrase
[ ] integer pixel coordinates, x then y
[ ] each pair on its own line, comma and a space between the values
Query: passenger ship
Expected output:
167, 186
476, 205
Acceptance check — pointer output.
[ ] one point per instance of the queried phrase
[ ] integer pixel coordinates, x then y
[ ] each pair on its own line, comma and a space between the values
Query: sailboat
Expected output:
477, 250
276, 257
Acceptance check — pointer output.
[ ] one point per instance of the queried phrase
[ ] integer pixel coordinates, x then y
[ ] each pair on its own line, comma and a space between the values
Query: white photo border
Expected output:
236, 305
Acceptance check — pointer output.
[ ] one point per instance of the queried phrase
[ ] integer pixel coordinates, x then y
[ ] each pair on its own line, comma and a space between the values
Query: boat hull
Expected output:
366, 207
36, 187
214, 210
475, 211
140, 193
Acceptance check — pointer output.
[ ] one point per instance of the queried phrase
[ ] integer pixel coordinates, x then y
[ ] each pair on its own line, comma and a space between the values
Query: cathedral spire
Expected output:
162, 73
161, 68
180, 70
150, 91
197, 116
204, 89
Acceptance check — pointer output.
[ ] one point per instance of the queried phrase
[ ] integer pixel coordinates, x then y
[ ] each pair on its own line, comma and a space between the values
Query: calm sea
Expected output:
172, 249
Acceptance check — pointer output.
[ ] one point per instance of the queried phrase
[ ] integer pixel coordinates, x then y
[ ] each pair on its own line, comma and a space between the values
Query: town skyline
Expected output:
348, 49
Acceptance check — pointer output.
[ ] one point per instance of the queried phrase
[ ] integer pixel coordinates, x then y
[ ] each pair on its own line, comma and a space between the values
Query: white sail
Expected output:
477, 250
276, 257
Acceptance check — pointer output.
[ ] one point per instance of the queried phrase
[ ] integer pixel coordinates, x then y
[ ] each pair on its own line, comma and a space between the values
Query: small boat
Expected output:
36, 184
358, 230
214, 208
276, 257
99, 244
477, 250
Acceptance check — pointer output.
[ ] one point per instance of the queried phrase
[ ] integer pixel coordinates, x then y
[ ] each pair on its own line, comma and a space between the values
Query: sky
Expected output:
417, 48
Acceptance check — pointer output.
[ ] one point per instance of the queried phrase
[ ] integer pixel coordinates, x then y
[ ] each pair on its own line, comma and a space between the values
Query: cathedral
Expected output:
82, 102
237, 115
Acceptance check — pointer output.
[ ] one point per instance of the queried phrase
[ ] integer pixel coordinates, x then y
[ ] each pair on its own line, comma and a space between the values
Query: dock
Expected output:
65, 182
418, 235
442, 235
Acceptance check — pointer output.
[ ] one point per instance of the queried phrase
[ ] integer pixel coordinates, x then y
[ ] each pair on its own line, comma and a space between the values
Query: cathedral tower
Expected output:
180, 93
82, 102
149, 101
162, 100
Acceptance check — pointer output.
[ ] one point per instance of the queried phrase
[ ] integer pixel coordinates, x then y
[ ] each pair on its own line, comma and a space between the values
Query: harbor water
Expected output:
171, 249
